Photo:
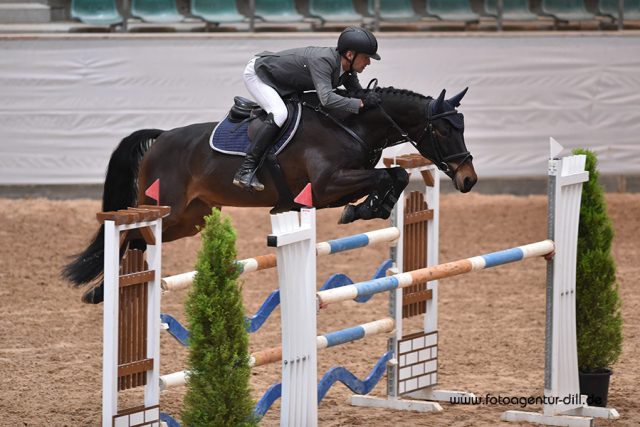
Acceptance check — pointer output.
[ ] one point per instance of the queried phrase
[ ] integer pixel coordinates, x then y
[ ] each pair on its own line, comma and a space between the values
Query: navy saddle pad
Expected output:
231, 137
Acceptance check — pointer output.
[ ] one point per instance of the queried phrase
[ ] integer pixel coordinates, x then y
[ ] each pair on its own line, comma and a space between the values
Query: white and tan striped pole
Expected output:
264, 262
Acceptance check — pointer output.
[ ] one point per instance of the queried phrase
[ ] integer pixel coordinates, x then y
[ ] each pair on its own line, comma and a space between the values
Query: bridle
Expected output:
439, 159
429, 131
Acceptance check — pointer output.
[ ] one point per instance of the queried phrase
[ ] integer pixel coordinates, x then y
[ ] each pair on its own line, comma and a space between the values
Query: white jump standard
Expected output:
566, 176
131, 339
561, 372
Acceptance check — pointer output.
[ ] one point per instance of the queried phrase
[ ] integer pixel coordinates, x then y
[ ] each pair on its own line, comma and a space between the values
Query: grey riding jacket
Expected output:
308, 68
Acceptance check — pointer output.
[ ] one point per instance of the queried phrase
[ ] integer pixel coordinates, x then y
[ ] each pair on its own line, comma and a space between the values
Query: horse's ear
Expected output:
439, 102
455, 101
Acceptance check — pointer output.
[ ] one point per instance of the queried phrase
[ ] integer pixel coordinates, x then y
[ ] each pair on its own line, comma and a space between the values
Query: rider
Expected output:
270, 76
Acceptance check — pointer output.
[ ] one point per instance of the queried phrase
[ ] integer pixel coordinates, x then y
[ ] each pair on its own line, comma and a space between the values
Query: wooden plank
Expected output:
123, 237
108, 216
162, 211
416, 219
137, 278
139, 335
127, 369
421, 216
145, 214
132, 316
427, 177
148, 235
416, 297
407, 161
130, 215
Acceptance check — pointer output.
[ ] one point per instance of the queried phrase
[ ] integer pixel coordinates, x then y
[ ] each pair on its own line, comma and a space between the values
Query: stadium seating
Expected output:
512, 10
610, 8
394, 10
401, 14
96, 12
157, 11
452, 10
566, 11
277, 11
334, 11
217, 11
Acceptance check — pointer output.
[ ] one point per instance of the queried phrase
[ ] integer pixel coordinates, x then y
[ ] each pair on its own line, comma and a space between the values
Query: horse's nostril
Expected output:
468, 183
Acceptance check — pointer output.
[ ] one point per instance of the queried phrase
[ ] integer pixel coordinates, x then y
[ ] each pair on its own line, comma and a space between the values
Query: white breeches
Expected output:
264, 94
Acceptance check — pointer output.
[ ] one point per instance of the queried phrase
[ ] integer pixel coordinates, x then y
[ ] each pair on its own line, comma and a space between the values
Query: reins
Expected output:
440, 160
374, 152
318, 109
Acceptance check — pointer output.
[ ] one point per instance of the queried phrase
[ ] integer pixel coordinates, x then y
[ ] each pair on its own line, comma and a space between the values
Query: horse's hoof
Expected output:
94, 295
348, 215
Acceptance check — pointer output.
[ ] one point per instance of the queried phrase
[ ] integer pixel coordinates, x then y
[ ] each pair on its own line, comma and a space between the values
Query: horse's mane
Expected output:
361, 93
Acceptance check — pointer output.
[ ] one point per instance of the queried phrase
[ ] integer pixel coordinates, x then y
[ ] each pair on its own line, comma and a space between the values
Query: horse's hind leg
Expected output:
381, 200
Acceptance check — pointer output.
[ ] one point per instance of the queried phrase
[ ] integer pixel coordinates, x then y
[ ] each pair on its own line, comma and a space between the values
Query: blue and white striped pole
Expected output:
272, 355
403, 280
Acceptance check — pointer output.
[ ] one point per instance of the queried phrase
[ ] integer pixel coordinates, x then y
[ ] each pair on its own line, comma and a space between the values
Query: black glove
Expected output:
372, 100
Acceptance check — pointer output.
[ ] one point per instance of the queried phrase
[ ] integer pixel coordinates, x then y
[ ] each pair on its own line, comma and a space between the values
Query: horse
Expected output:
336, 152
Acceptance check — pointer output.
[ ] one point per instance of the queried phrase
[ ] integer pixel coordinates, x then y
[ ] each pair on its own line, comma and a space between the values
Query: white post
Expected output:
111, 326
154, 291
566, 176
433, 247
296, 242
395, 297
561, 357
110, 316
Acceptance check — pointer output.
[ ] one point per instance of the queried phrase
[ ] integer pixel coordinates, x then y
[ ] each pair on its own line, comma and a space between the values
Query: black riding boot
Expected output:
246, 176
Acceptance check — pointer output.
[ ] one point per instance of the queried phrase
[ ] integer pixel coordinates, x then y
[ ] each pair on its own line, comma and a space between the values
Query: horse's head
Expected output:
442, 141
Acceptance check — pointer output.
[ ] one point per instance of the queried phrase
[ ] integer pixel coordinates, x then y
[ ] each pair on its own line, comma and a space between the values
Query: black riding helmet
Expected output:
358, 40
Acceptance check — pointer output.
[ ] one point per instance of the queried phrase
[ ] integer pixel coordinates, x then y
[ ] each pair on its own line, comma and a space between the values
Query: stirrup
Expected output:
248, 180
255, 184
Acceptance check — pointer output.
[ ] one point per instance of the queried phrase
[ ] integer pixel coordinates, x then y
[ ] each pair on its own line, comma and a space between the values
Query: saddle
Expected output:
232, 135
244, 109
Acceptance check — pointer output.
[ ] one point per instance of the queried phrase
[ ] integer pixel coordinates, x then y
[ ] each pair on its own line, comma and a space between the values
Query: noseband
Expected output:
429, 131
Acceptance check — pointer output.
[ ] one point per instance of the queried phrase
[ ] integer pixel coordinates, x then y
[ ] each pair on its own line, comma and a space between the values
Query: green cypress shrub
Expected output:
598, 316
218, 392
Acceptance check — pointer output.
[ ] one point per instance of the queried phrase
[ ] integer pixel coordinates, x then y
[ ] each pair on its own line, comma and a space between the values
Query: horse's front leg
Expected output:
383, 186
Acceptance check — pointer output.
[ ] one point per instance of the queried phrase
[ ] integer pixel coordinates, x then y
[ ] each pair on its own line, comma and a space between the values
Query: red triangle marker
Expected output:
154, 191
305, 198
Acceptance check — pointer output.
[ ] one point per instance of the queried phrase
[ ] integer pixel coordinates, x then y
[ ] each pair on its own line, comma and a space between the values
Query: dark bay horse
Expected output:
339, 165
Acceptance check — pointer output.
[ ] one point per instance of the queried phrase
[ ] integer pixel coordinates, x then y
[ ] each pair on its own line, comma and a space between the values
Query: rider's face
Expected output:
361, 62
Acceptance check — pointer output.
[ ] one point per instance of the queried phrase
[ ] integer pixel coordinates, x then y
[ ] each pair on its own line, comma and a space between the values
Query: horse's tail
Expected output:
120, 192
